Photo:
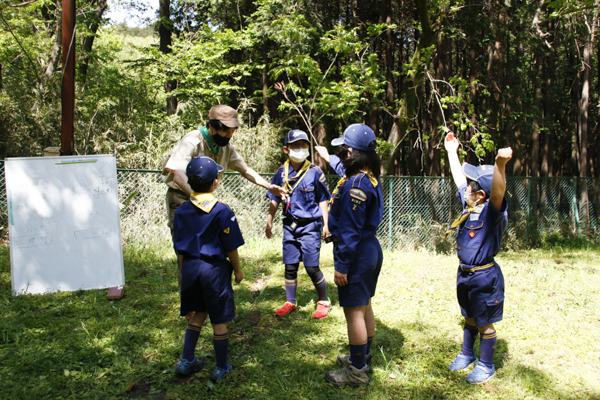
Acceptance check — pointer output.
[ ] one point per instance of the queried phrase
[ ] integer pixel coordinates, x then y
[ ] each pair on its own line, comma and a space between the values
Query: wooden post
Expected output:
68, 78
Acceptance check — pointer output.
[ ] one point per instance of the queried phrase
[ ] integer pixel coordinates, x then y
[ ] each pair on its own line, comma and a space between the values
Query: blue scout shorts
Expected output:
303, 243
481, 294
362, 274
206, 287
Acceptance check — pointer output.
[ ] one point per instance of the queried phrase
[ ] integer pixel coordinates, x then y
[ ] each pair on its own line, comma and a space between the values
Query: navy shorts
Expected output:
302, 243
206, 287
362, 274
481, 294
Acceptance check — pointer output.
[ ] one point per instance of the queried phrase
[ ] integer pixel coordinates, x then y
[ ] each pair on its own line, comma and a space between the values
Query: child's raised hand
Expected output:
451, 143
322, 152
504, 155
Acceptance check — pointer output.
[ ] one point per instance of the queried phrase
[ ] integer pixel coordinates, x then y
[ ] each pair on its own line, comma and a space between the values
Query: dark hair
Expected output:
475, 186
198, 185
218, 125
360, 160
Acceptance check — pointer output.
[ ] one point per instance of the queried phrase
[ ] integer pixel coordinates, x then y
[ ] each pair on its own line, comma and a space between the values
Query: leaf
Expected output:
323, 356
489, 388
392, 376
131, 385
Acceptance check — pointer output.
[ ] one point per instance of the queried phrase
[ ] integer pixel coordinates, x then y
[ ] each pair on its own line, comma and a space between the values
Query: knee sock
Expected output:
488, 346
191, 339
322, 290
290, 290
469, 336
291, 281
318, 279
357, 355
369, 343
221, 344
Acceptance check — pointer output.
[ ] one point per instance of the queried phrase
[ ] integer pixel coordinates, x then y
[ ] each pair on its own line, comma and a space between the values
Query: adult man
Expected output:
211, 141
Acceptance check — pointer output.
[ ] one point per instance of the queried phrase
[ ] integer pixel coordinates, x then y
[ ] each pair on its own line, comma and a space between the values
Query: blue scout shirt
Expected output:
205, 227
305, 198
355, 213
479, 238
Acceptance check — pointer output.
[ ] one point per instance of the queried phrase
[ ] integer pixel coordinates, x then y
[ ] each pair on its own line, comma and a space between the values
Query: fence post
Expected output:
576, 208
528, 210
390, 219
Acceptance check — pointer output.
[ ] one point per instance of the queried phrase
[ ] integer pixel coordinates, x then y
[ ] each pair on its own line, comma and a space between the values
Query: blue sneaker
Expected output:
481, 374
221, 373
185, 367
461, 362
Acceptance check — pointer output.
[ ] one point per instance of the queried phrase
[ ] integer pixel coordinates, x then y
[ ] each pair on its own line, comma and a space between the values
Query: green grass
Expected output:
79, 345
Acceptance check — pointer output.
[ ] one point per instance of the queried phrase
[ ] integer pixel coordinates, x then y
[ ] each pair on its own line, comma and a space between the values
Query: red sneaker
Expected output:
286, 309
323, 308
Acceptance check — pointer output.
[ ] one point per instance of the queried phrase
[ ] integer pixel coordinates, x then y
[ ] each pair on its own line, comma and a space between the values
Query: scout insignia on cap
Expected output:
358, 194
226, 231
472, 234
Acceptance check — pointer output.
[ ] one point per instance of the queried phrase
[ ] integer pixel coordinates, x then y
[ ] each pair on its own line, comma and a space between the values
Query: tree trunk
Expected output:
573, 111
164, 32
548, 134
56, 48
582, 132
89, 40
408, 97
265, 83
537, 113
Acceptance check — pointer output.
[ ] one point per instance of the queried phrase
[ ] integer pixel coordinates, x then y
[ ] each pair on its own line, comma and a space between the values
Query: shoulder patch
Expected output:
226, 231
358, 194
322, 178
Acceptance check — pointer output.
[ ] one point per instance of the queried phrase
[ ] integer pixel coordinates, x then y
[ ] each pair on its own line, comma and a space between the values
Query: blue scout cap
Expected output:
357, 136
204, 168
482, 175
294, 136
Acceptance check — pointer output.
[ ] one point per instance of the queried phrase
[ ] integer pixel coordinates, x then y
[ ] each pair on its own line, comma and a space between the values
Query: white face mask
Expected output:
299, 155
468, 200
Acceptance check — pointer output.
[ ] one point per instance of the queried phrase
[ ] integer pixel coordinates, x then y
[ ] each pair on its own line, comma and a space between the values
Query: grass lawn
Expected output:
79, 345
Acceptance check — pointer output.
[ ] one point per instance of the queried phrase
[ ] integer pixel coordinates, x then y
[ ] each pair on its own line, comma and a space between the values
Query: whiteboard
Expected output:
64, 223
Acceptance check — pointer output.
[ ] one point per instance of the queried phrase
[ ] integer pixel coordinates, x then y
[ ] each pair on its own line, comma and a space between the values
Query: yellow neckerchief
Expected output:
459, 221
301, 174
204, 201
343, 180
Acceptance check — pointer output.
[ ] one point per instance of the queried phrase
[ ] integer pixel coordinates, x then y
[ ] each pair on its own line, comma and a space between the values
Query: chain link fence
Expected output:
416, 214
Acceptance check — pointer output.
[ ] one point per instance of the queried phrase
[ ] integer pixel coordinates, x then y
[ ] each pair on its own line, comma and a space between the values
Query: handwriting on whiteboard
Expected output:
33, 241
93, 233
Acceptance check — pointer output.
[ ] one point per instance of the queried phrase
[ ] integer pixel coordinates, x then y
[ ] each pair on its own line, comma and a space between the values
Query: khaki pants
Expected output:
173, 200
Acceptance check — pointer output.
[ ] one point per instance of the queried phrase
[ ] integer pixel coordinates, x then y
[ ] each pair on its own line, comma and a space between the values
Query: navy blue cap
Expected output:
357, 136
204, 168
294, 136
482, 175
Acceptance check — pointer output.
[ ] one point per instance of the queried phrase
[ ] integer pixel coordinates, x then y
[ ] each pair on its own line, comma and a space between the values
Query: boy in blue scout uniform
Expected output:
356, 210
205, 234
479, 282
305, 220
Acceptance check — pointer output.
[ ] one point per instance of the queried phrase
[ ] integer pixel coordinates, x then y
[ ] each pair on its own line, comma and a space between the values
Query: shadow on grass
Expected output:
79, 345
